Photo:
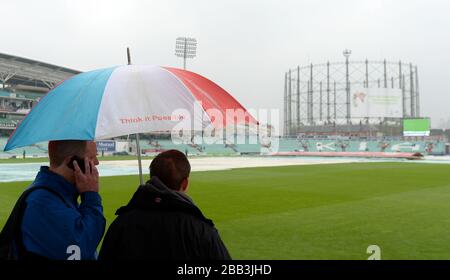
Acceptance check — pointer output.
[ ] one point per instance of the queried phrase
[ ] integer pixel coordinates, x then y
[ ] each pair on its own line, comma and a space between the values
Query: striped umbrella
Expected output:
125, 100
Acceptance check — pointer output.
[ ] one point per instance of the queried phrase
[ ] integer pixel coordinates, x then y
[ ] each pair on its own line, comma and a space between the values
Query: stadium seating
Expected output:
284, 145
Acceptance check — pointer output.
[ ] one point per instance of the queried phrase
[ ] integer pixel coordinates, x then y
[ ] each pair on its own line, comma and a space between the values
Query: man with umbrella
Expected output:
161, 221
124, 100
47, 221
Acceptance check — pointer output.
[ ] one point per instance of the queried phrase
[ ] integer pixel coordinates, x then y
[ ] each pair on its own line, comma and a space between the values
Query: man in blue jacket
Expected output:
54, 225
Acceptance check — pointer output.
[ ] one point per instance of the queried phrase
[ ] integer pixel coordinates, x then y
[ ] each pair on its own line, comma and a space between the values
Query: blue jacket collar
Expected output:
45, 177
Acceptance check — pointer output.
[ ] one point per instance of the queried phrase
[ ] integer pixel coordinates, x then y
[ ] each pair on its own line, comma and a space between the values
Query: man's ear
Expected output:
65, 162
184, 185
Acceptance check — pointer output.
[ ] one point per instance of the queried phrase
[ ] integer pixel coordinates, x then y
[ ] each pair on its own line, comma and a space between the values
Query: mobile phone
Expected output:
79, 161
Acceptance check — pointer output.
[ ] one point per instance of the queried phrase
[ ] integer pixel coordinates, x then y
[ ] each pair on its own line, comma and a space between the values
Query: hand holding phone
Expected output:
80, 163
87, 181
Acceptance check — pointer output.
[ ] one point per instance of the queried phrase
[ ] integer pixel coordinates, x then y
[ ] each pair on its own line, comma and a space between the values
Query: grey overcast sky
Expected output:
244, 46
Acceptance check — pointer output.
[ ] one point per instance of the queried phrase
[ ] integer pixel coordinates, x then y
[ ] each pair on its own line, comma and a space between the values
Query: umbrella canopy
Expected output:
126, 100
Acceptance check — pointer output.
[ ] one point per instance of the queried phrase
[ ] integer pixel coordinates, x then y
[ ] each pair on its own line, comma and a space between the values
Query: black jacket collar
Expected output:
155, 196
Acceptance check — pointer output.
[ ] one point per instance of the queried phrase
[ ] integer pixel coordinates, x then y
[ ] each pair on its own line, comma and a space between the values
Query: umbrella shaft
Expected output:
138, 150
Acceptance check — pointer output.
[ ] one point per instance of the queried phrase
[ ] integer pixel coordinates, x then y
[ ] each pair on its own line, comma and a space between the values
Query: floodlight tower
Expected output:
347, 53
185, 47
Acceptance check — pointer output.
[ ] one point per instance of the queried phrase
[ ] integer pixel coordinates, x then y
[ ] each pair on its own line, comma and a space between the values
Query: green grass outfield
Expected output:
332, 211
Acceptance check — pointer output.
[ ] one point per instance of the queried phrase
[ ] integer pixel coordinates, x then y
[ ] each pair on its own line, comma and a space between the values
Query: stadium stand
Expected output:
23, 83
284, 145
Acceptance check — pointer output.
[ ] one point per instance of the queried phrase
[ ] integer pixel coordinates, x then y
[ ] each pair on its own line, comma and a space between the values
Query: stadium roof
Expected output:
15, 70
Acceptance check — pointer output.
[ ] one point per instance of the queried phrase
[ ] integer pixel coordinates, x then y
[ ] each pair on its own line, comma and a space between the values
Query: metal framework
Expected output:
16, 70
319, 94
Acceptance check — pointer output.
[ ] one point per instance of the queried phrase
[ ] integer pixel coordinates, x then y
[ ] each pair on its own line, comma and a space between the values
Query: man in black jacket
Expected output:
161, 221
